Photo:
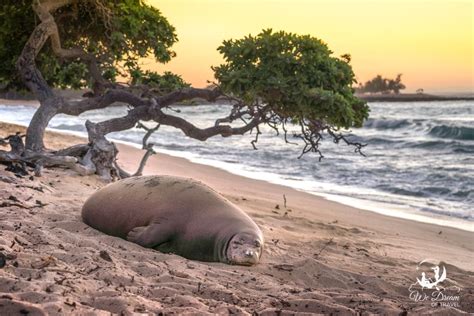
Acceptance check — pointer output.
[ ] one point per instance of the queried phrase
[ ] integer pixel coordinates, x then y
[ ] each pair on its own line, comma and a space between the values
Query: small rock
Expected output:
179, 274
105, 255
40, 203
43, 262
284, 267
13, 198
3, 260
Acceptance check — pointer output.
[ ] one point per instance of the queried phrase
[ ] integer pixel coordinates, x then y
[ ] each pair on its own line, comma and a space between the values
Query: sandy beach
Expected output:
320, 256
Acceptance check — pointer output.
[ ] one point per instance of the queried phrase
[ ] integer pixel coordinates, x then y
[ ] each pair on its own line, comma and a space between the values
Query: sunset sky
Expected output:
429, 41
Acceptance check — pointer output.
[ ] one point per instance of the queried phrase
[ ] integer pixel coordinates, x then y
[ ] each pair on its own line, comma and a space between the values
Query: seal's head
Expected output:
244, 249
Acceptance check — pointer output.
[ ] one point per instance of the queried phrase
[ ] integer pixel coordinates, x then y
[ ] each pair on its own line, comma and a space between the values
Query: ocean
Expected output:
419, 161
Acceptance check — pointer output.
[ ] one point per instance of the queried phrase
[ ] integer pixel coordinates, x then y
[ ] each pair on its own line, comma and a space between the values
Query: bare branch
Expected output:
202, 134
124, 174
121, 172
75, 151
338, 137
16, 143
38, 160
311, 137
285, 133
149, 152
253, 142
149, 132
235, 114
152, 110
311, 134
99, 130
110, 97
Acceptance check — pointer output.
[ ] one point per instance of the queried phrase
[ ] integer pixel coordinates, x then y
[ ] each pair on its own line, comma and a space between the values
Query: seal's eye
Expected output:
257, 244
239, 242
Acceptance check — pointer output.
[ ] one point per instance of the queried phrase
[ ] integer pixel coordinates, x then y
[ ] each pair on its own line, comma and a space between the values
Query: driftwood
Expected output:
18, 159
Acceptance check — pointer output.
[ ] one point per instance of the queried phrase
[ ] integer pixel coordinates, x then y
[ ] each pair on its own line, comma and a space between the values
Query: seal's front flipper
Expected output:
149, 236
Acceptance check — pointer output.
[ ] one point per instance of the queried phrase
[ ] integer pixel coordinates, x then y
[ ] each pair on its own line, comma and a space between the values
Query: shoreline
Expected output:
320, 256
371, 206
128, 147
387, 209
14, 98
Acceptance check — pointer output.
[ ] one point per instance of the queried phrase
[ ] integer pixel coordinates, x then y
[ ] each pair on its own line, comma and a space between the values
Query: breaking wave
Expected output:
452, 132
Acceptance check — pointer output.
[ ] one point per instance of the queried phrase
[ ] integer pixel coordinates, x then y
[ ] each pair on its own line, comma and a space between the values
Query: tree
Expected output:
396, 85
383, 85
274, 78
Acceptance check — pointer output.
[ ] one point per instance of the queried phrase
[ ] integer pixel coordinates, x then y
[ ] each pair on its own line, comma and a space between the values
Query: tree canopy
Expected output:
296, 76
117, 33
383, 85
273, 78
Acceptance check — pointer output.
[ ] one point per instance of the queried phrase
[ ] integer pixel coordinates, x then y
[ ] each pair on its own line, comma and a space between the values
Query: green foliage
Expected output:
165, 83
63, 74
383, 85
16, 23
295, 75
119, 33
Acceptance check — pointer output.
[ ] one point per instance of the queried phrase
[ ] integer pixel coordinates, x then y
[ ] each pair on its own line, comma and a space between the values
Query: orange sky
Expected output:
429, 41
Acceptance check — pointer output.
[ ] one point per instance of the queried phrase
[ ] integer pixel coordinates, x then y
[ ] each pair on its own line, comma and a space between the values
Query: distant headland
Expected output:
380, 89
411, 97
369, 97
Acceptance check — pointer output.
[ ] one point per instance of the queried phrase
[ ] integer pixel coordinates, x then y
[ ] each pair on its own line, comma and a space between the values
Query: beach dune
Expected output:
319, 257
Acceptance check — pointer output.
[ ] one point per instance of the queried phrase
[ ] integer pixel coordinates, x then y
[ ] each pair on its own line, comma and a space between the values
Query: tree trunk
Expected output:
38, 124
102, 153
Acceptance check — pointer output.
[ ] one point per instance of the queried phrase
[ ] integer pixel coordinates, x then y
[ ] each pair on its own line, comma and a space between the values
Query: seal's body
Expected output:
176, 215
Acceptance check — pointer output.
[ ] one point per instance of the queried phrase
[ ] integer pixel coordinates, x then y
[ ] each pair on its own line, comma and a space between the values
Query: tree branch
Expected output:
145, 145
124, 174
110, 97
26, 65
149, 132
99, 130
44, 10
75, 151
192, 131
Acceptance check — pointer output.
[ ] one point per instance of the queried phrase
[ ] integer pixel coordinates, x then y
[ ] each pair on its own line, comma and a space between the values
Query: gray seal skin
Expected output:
175, 215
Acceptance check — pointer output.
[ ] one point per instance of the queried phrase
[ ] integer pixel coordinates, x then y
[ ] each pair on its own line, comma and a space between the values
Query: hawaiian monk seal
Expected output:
175, 215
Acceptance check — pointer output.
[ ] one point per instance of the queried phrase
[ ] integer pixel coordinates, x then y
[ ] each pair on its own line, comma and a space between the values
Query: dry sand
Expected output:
320, 256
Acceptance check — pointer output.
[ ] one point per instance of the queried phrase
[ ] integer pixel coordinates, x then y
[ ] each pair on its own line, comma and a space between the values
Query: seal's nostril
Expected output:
249, 253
